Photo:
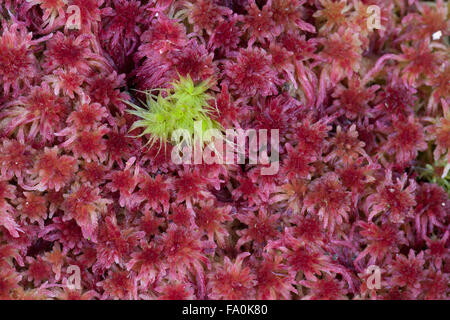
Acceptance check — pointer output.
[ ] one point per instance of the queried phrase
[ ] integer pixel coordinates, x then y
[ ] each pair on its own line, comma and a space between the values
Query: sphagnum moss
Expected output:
179, 107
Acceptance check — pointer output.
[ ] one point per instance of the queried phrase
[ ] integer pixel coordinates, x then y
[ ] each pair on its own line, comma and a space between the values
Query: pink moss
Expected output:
18, 65
251, 73
232, 280
362, 178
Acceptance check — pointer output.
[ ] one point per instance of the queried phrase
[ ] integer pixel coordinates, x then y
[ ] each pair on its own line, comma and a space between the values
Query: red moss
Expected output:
114, 244
394, 199
38, 270
204, 14
40, 113
406, 139
232, 280
342, 50
420, 60
121, 30
56, 259
68, 82
194, 60
333, 13
355, 177
85, 205
396, 99
93, 173
125, 182
189, 185
275, 280
176, 291
155, 193
237, 6
440, 133
361, 15
228, 111
301, 48
7, 254
307, 229
150, 224
435, 286
119, 285
328, 199
55, 171
246, 190
261, 227
181, 216
283, 62
9, 282
105, 90
307, 260
87, 115
155, 72
183, 251
68, 52
259, 23
15, 159
277, 112
381, 241
7, 191
432, 207
212, 220
327, 288
289, 14
437, 250
118, 145
146, 263
298, 163
251, 73
33, 207
311, 134
68, 294
18, 65
88, 145
290, 195
427, 21
362, 115
67, 233
53, 13
225, 37
439, 83
354, 100
163, 35
89, 13
347, 146
408, 271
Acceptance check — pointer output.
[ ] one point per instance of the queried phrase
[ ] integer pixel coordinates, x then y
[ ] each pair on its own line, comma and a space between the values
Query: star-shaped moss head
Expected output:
179, 107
